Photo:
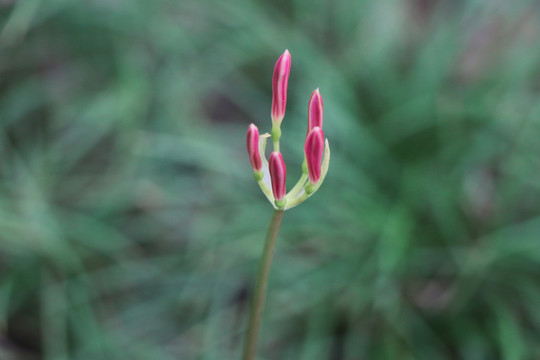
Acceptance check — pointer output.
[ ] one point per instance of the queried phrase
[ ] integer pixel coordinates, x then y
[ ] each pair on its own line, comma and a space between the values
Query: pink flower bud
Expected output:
314, 149
253, 147
315, 110
278, 174
279, 86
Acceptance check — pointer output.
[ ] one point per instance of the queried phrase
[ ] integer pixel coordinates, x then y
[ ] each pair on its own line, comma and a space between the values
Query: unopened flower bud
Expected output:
271, 176
314, 149
279, 86
278, 175
253, 148
315, 110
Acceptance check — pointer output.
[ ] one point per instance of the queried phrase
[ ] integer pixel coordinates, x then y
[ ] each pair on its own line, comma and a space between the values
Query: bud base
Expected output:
281, 203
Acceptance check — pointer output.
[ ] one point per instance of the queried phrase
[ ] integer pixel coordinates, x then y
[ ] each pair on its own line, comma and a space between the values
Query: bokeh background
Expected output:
131, 226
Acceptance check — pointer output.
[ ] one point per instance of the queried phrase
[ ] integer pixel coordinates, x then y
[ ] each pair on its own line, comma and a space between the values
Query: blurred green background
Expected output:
131, 226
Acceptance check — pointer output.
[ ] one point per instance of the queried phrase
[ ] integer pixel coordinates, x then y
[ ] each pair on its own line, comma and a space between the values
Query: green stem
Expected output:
298, 187
250, 345
298, 200
275, 133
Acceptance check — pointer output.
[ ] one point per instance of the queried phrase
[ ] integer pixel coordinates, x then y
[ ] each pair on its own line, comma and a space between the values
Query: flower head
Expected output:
271, 175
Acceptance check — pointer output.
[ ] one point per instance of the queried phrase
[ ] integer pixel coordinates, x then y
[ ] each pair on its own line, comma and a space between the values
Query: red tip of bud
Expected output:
279, 86
314, 149
253, 147
278, 174
315, 110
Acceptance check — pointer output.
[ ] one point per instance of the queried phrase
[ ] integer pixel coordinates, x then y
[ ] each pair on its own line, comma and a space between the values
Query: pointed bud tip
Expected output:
315, 110
316, 129
276, 154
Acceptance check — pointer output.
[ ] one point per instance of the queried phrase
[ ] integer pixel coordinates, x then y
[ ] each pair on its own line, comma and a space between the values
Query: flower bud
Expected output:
279, 86
315, 110
314, 149
253, 147
278, 175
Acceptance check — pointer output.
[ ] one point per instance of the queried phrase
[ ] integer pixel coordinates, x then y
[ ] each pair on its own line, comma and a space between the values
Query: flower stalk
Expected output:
261, 284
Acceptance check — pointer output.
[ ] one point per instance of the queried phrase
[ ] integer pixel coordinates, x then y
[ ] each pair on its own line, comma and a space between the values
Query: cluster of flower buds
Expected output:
271, 175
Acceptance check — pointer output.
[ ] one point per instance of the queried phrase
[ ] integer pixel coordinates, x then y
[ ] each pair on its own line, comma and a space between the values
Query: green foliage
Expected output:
130, 223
